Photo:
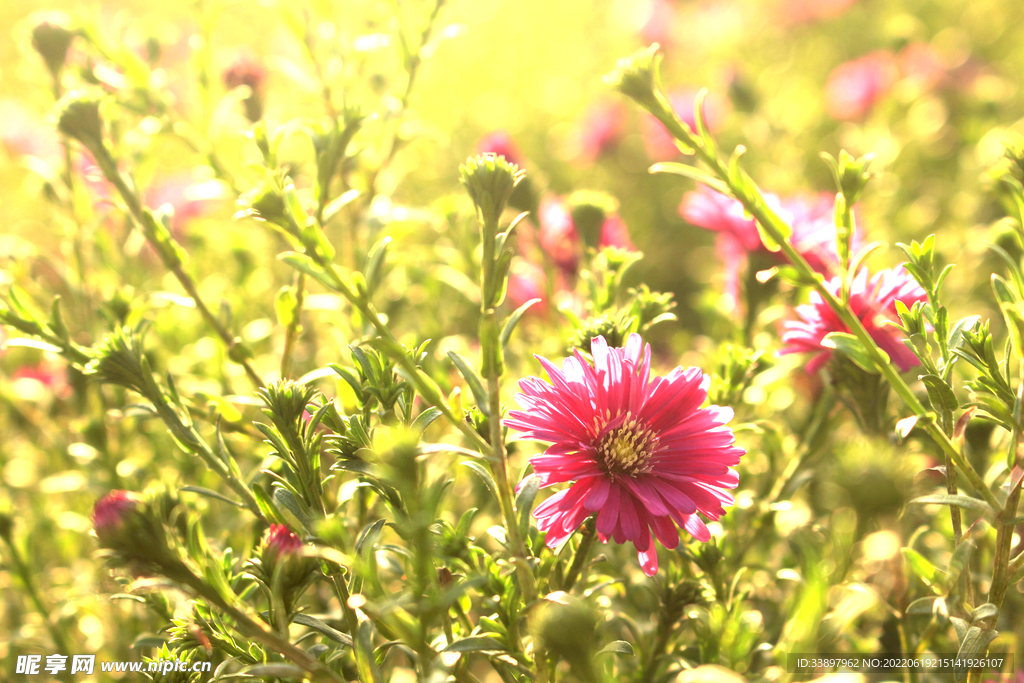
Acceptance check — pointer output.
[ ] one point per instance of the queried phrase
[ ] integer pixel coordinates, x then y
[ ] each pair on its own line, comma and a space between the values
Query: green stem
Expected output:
587, 538
291, 332
135, 209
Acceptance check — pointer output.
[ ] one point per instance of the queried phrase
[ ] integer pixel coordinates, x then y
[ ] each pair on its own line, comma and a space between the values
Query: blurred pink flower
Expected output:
854, 88
557, 233
250, 71
190, 198
614, 233
658, 24
874, 303
640, 453
527, 281
798, 11
501, 142
600, 129
814, 232
922, 64
657, 141
560, 240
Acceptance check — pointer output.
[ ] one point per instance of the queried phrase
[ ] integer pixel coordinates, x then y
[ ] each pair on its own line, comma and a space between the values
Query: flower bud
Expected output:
78, 117
565, 627
248, 71
490, 180
51, 37
281, 542
110, 514
636, 77
590, 209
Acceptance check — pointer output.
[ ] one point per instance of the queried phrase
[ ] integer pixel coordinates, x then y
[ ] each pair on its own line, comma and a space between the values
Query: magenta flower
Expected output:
502, 143
599, 130
640, 453
853, 88
110, 513
282, 540
527, 281
811, 217
557, 233
874, 303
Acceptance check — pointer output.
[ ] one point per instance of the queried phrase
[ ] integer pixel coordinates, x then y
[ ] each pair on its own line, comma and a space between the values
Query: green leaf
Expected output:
368, 537
931, 575
620, 647
693, 173
266, 505
986, 611
211, 494
425, 419
32, 344
513, 320
956, 336
941, 396
473, 379
317, 625
375, 264
974, 645
274, 671
476, 644
484, 474
960, 501
850, 346
524, 501
287, 500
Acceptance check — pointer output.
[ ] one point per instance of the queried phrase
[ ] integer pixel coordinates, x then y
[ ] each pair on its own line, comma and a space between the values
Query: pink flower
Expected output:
657, 141
283, 540
500, 142
557, 233
814, 232
922, 64
527, 281
250, 71
855, 87
560, 240
640, 452
190, 198
658, 25
797, 11
600, 130
111, 511
874, 303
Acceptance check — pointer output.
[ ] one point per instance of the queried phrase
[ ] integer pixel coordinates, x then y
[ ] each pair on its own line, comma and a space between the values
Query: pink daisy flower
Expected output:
873, 302
640, 452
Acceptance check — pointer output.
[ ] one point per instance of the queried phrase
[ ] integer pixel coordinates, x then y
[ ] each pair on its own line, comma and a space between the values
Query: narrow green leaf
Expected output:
473, 379
693, 173
484, 474
425, 419
960, 501
513, 320
211, 494
931, 575
619, 647
850, 346
476, 644
974, 645
317, 625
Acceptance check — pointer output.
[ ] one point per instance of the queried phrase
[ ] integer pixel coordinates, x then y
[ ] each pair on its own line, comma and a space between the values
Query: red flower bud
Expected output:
283, 540
111, 512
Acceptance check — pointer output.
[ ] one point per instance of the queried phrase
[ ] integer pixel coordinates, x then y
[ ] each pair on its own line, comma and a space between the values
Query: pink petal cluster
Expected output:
527, 281
657, 140
111, 511
282, 540
854, 88
799, 11
560, 240
639, 452
814, 232
873, 302
502, 143
599, 130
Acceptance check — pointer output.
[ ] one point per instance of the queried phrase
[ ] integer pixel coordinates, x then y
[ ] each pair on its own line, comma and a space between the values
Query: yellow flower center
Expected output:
627, 449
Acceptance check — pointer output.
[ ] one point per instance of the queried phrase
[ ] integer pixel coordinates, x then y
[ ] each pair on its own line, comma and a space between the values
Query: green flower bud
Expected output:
78, 117
636, 77
565, 627
51, 37
490, 180
589, 210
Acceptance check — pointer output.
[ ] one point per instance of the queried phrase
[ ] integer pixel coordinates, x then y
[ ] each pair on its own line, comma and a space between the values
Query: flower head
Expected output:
853, 88
110, 513
873, 302
811, 216
640, 452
